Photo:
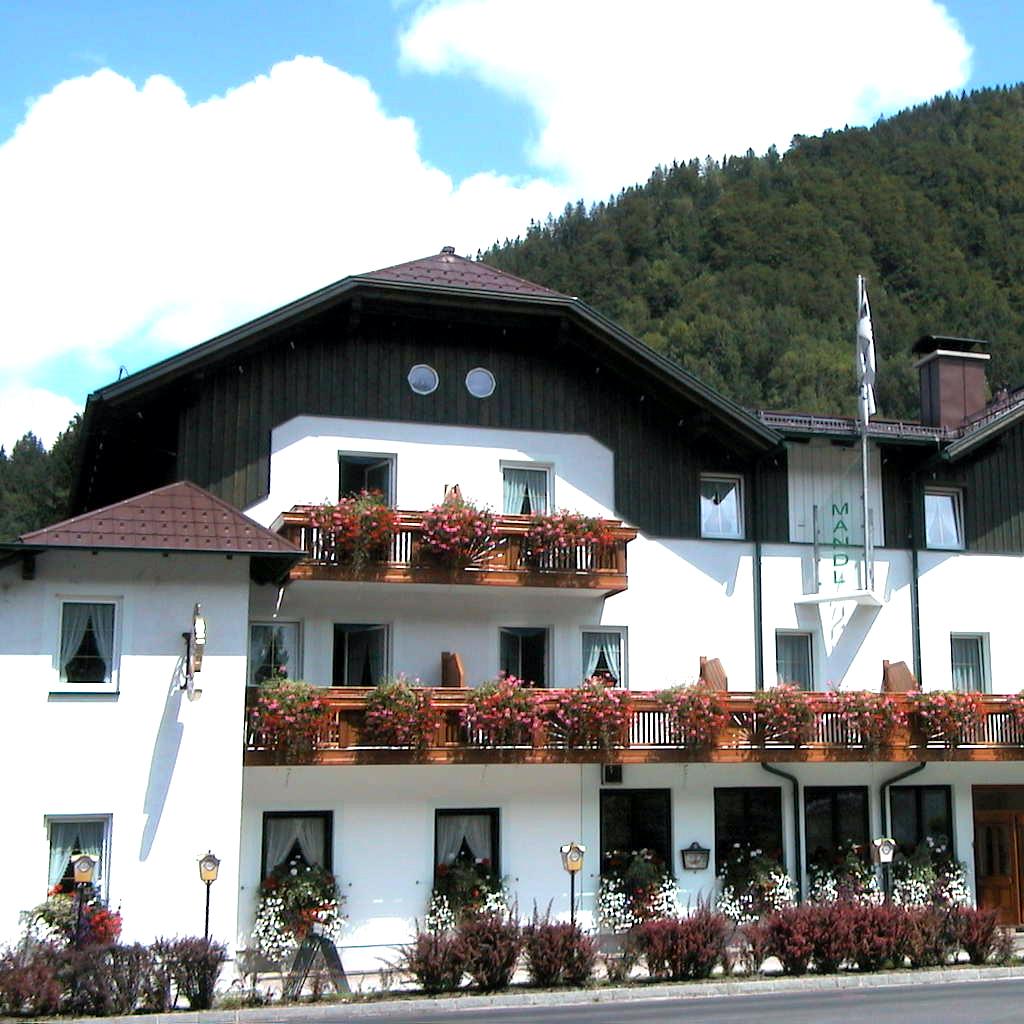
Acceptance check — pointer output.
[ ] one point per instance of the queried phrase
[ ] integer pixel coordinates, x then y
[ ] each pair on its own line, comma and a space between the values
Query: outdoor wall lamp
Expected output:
84, 867
208, 868
695, 857
572, 861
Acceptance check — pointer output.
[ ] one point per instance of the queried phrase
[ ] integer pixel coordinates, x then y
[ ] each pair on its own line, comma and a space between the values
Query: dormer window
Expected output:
943, 519
525, 491
721, 506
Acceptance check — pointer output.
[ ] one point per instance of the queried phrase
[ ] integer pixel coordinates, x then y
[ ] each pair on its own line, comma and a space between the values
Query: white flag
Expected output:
865, 355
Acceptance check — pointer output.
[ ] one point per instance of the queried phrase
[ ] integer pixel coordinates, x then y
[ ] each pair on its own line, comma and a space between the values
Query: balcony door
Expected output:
999, 850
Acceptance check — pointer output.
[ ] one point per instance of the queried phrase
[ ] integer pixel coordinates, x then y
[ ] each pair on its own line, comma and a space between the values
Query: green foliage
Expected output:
35, 484
744, 271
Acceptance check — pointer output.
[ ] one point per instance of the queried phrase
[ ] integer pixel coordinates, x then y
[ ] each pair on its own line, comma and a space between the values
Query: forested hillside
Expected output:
744, 271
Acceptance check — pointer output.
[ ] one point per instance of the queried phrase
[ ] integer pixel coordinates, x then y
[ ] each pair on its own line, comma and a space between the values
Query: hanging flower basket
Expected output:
399, 714
868, 718
500, 713
948, 715
783, 715
594, 715
288, 719
357, 531
551, 537
696, 715
456, 533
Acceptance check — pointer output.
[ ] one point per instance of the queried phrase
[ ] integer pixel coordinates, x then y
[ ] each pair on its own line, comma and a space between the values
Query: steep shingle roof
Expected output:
447, 269
178, 517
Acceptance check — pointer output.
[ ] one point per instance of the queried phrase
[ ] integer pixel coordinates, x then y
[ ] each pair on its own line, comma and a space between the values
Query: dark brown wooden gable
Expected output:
214, 427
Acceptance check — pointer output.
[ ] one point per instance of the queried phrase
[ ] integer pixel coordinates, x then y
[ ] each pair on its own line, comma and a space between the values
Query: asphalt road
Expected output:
983, 1002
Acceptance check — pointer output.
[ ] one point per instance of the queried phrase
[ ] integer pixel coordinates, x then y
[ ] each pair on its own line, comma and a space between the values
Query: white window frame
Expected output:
623, 631
388, 631
982, 640
548, 649
732, 478
808, 637
957, 495
546, 468
272, 624
389, 457
107, 821
60, 684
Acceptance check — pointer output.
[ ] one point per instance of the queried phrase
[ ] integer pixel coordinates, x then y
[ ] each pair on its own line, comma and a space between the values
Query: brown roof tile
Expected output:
448, 270
178, 517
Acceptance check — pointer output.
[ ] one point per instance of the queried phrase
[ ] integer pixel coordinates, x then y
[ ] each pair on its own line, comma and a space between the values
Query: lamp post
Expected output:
84, 866
208, 868
572, 861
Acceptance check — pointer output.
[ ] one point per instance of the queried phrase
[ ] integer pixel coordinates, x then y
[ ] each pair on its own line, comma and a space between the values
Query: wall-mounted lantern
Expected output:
695, 857
883, 850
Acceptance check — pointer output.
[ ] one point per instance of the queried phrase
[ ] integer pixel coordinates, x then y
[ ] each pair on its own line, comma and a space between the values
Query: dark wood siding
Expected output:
349, 365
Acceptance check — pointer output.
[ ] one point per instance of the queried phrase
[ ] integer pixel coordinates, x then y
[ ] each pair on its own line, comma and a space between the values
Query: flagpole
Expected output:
869, 568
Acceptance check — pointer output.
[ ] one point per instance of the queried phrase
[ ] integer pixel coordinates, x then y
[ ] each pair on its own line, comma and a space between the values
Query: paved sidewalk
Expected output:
385, 1008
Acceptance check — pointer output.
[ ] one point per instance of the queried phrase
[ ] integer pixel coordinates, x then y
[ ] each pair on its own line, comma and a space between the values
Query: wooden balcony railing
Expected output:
585, 566
650, 739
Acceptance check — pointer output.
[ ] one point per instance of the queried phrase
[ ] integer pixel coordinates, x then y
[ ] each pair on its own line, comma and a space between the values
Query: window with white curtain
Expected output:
943, 519
604, 654
793, 662
306, 835
70, 837
274, 651
87, 655
969, 662
721, 506
360, 654
525, 491
470, 835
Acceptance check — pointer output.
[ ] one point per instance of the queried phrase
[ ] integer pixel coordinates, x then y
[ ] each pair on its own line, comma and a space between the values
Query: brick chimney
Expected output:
952, 377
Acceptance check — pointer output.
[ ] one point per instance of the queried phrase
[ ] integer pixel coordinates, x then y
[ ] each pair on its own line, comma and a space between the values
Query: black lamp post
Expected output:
208, 868
572, 861
84, 866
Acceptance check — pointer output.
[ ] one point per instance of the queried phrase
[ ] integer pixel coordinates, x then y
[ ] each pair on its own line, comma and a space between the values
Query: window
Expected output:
970, 662
721, 506
480, 382
526, 492
919, 813
524, 653
307, 835
750, 816
943, 519
793, 659
834, 816
604, 655
366, 472
423, 379
70, 837
360, 654
274, 651
635, 819
87, 644
467, 835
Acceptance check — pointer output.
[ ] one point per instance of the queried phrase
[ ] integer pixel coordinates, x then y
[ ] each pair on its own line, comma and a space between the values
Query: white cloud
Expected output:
24, 408
129, 214
618, 88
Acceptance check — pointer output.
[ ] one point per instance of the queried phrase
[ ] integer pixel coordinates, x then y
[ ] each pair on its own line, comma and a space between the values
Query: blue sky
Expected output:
168, 171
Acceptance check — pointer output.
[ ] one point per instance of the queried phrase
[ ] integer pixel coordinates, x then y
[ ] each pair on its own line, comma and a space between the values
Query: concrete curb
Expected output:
385, 1008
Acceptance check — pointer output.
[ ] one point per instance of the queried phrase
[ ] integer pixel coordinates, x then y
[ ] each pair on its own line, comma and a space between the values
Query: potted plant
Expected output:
947, 715
870, 718
784, 715
74, 916
456, 532
294, 899
288, 718
500, 712
594, 714
696, 714
464, 888
400, 714
843, 875
636, 886
754, 884
357, 530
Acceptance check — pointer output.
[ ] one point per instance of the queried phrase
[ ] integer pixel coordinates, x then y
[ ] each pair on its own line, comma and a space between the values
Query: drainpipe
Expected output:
917, 500
756, 523
797, 843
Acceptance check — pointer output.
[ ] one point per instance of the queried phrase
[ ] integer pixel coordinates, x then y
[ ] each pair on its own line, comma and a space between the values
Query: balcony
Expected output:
650, 738
582, 567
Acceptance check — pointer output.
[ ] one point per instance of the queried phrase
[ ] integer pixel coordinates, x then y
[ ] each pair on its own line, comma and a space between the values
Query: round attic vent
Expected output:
480, 382
423, 379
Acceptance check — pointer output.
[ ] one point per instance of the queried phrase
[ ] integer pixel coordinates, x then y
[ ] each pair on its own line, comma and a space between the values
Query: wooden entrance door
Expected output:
998, 844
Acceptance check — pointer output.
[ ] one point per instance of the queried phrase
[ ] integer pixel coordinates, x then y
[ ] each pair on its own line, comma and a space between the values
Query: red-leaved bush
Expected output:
435, 960
756, 946
791, 933
832, 934
490, 945
558, 953
684, 947
28, 981
978, 934
879, 936
929, 941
